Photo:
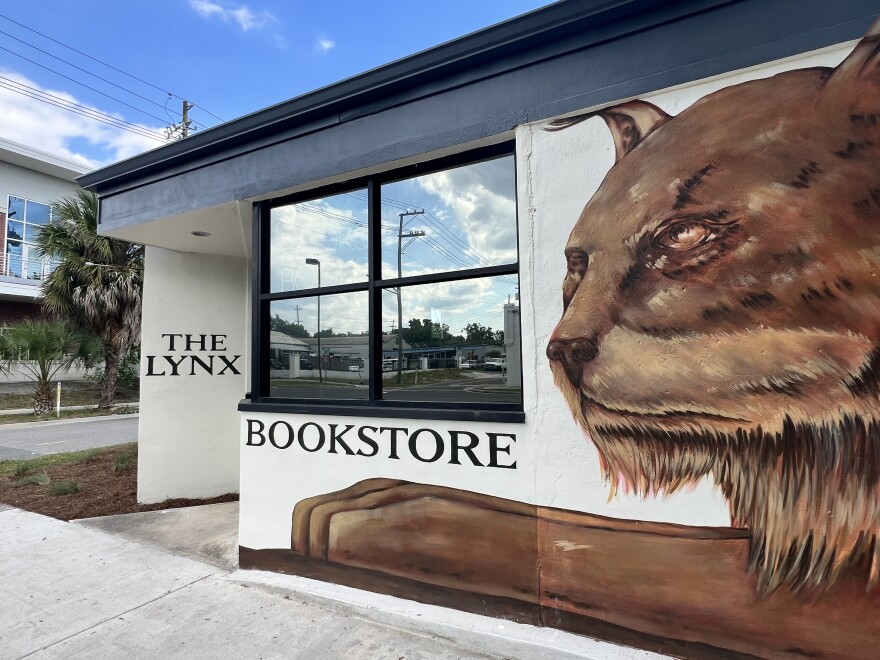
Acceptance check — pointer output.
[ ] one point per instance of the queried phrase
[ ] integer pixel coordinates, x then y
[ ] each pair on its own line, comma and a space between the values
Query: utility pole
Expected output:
297, 308
400, 248
181, 130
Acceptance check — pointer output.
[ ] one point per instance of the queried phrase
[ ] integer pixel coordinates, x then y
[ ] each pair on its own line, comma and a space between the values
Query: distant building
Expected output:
282, 346
353, 347
30, 180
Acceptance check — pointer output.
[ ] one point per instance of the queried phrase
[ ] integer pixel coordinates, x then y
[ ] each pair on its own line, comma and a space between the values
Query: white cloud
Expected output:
480, 200
324, 45
332, 230
244, 16
55, 130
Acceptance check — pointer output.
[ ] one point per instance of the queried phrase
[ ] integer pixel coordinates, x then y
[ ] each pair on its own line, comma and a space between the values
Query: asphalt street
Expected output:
38, 438
476, 388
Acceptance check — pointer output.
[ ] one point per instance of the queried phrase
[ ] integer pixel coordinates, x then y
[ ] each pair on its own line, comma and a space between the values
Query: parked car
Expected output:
495, 364
469, 364
389, 365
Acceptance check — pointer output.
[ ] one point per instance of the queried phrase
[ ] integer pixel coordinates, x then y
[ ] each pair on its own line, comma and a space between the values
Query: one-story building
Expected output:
684, 196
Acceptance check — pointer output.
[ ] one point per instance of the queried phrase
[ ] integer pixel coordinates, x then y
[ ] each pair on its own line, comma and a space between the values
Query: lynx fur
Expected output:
722, 312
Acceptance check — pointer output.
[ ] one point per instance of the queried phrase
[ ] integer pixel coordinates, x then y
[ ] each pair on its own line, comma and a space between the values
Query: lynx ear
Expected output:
862, 65
630, 123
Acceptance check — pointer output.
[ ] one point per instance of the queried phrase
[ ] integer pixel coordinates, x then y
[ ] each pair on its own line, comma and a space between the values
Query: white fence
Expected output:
19, 374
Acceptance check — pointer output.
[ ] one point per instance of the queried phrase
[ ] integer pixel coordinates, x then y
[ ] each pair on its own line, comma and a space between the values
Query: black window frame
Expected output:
374, 405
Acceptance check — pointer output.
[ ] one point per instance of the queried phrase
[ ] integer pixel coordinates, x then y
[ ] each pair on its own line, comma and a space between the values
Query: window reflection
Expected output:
327, 359
24, 220
331, 231
460, 218
38, 214
460, 342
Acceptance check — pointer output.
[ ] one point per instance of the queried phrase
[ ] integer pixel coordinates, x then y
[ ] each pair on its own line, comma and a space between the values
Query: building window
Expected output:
25, 219
430, 249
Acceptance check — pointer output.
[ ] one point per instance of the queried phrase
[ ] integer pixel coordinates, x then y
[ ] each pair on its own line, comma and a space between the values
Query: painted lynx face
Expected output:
722, 309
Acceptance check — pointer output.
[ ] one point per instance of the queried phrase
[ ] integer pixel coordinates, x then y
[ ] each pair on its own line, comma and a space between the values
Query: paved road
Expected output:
475, 388
37, 438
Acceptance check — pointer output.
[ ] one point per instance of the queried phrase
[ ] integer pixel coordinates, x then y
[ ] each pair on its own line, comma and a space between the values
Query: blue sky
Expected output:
230, 58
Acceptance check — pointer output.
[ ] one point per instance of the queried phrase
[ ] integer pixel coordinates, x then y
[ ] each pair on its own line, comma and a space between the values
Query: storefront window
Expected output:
330, 231
319, 347
397, 291
453, 346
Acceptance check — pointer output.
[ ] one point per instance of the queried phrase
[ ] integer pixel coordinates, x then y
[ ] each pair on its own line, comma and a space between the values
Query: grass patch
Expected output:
90, 455
66, 414
51, 460
63, 487
23, 468
73, 393
40, 479
125, 462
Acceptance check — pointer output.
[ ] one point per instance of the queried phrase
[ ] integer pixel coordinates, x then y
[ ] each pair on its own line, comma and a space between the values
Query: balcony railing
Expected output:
30, 269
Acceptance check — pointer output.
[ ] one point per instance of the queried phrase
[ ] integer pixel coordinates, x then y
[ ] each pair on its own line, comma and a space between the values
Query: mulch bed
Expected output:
103, 492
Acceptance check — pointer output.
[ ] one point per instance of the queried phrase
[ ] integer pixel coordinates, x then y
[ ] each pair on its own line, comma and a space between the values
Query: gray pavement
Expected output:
111, 588
208, 533
25, 440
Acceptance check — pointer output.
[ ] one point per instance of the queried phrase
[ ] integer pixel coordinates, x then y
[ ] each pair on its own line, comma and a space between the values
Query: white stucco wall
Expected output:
23, 182
189, 424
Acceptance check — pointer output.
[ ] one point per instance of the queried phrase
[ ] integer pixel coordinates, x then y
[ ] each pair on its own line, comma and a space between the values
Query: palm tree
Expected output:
40, 349
97, 284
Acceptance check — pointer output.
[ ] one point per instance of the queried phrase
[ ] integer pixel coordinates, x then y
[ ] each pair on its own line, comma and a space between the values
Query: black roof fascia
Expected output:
603, 19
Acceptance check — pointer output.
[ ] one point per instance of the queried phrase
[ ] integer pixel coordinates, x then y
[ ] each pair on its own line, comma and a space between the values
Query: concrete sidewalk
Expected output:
164, 584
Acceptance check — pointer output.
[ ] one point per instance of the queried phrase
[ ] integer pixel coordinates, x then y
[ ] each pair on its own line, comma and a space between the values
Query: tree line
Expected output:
421, 332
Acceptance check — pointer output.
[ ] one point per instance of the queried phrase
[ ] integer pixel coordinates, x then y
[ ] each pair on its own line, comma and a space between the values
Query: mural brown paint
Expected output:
722, 312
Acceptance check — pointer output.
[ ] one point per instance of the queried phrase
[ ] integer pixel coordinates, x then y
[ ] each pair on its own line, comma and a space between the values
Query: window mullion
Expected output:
374, 270
259, 331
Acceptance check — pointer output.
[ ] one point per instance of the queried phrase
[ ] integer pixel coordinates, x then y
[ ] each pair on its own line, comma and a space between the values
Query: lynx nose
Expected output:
573, 354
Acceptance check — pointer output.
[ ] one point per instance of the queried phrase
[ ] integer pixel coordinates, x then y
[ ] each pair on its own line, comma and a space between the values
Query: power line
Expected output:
78, 82
94, 111
110, 66
86, 71
81, 112
454, 241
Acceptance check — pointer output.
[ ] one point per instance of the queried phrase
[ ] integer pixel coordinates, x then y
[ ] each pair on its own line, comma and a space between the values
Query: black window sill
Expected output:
347, 410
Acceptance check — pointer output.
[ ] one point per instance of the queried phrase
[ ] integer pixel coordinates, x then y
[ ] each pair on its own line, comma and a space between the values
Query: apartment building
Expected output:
30, 180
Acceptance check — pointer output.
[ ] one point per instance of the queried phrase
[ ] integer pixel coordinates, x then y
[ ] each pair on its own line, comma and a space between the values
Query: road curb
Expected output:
25, 411
57, 422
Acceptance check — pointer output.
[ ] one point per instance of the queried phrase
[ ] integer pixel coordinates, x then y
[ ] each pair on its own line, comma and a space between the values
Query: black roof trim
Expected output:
539, 27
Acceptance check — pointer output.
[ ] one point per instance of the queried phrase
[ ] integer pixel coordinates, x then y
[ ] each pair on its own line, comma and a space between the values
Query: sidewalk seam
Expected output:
123, 613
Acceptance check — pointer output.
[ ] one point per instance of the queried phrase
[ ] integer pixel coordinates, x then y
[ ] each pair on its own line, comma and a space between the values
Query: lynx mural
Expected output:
721, 320
722, 311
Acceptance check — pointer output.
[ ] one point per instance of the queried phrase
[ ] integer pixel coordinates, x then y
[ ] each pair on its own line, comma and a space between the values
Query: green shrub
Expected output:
125, 462
40, 479
129, 369
22, 468
63, 487
90, 455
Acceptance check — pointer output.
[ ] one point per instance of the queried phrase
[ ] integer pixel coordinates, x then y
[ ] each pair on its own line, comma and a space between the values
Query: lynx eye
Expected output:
577, 261
685, 235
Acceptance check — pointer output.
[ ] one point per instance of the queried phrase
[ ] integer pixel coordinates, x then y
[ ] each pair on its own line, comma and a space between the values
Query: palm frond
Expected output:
98, 282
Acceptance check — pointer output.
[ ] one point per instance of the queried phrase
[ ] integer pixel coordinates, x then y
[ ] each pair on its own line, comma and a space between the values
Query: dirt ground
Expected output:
102, 491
